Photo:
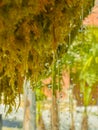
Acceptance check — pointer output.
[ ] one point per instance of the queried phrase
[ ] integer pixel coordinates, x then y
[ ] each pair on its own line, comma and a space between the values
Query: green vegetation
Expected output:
82, 58
37, 41
30, 32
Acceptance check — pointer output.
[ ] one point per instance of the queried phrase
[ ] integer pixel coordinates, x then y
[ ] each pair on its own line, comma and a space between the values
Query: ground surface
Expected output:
6, 128
65, 116
14, 120
65, 119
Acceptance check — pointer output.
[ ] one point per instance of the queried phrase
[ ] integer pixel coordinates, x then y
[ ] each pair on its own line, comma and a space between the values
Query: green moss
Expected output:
30, 31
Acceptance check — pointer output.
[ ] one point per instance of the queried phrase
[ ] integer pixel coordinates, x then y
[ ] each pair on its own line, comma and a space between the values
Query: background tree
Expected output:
82, 60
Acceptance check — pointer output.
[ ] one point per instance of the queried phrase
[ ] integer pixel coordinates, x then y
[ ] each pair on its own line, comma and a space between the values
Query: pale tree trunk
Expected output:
54, 112
67, 87
29, 122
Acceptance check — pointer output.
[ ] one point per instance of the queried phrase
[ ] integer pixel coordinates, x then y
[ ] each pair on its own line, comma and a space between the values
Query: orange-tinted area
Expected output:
92, 19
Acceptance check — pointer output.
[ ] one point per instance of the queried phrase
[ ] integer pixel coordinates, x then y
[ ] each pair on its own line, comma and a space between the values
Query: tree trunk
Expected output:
71, 105
41, 123
0, 121
72, 127
84, 125
29, 108
54, 112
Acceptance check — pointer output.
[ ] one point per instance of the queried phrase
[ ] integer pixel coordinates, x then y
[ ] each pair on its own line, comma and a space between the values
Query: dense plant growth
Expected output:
29, 33
82, 57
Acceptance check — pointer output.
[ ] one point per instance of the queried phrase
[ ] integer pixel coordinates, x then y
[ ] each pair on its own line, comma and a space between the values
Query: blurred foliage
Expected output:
30, 30
82, 57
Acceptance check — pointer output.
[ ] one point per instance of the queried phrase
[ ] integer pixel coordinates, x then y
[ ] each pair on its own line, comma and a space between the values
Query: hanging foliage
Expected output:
29, 31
